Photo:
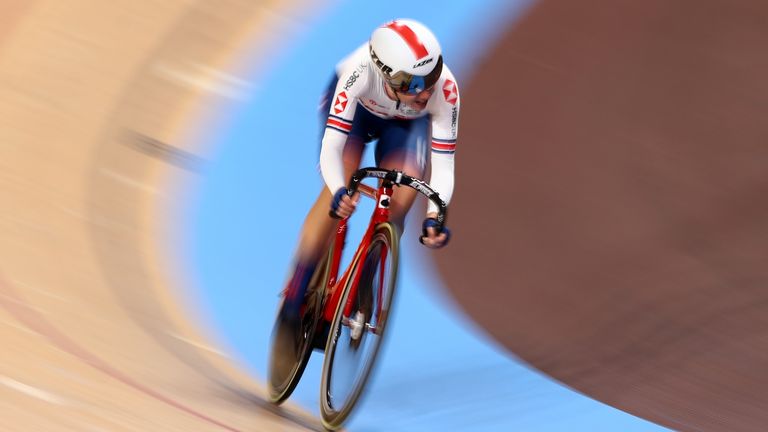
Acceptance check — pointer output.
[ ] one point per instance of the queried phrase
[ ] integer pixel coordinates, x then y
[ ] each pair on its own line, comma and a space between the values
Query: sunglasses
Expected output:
403, 82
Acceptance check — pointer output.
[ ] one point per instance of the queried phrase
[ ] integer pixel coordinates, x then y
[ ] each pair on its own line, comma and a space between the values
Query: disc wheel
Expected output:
292, 337
355, 336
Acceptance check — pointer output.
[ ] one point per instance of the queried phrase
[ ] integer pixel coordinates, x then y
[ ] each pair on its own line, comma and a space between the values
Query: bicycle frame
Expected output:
294, 340
380, 214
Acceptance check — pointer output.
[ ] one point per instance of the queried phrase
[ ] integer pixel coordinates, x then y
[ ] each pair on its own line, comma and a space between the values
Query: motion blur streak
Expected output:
629, 245
94, 98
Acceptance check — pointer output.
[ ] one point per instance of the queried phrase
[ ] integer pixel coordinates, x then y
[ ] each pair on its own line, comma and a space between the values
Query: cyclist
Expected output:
394, 89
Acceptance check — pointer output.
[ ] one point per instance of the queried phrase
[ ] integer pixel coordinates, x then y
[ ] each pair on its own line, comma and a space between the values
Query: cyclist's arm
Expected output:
331, 159
445, 124
442, 179
352, 82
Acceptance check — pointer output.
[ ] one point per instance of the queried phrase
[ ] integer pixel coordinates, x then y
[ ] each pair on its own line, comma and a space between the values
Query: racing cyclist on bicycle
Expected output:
394, 89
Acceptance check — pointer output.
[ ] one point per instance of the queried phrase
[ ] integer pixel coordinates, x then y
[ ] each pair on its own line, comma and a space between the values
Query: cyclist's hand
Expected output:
342, 205
431, 238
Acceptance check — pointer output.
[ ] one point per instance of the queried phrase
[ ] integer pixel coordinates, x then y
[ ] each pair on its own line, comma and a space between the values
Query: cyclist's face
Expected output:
418, 100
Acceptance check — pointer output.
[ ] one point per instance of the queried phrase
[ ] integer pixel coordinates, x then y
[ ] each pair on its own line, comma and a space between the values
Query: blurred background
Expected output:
610, 226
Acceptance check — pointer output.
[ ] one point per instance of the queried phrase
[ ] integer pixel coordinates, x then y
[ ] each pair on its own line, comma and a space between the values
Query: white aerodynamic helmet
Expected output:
407, 55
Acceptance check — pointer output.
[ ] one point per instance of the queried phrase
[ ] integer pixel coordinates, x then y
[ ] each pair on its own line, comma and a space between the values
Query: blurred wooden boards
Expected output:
97, 335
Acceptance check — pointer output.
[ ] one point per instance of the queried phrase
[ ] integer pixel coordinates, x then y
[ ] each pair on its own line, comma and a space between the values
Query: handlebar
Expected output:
399, 178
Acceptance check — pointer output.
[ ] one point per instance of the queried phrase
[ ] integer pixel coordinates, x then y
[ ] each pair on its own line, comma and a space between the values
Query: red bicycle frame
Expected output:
380, 214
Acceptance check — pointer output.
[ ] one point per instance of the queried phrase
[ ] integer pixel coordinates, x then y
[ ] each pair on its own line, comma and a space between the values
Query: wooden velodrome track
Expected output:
623, 170
93, 335
629, 205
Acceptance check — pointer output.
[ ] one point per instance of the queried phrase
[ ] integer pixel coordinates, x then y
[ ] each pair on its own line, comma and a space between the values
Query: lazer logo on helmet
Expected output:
429, 60
386, 70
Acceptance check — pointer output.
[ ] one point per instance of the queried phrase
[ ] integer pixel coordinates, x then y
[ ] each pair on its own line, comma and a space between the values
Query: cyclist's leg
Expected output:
318, 228
404, 146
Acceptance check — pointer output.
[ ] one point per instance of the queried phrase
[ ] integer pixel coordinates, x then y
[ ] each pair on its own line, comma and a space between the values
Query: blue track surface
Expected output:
438, 372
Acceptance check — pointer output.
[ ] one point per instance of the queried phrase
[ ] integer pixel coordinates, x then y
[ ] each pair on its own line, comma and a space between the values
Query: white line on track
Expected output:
197, 344
32, 391
19, 327
96, 220
24, 304
39, 290
127, 180
205, 78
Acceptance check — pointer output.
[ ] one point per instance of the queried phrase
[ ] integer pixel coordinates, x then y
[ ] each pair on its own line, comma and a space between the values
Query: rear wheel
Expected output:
292, 337
356, 334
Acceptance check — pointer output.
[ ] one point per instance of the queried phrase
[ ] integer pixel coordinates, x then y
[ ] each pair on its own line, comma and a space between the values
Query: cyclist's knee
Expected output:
405, 161
317, 229
400, 207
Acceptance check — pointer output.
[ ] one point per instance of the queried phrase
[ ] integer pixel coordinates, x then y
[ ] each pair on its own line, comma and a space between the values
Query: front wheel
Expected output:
357, 330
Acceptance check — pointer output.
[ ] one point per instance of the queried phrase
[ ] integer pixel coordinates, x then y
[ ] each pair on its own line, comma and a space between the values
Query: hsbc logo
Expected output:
341, 103
454, 120
427, 61
450, 92
351, 80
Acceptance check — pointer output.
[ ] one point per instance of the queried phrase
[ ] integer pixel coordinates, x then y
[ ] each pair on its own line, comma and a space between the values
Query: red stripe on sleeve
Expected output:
439, 146
333, 122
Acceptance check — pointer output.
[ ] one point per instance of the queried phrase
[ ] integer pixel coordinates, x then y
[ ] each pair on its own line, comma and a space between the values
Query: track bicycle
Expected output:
345, 317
